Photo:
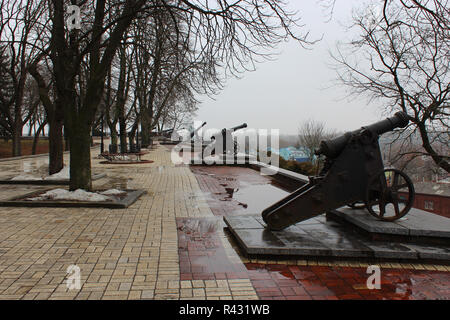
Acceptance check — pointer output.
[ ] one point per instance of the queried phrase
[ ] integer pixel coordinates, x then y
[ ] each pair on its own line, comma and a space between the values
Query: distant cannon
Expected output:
225, 138
353, 173
166, 133
195, 131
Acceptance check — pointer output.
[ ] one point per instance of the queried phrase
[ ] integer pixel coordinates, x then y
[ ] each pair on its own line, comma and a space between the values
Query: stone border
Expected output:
295, 243
127, 162
418, 223
257, 165
48, 182
132, 196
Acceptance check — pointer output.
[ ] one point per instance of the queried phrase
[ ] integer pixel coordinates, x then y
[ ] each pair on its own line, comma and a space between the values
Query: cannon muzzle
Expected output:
166, 131
242, 126
332, 148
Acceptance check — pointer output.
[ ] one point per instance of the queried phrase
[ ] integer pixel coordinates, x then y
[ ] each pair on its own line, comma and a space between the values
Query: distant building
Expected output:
292, 153
432, 197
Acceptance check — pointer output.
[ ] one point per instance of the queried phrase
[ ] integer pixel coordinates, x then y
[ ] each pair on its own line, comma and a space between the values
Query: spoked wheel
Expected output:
383, 200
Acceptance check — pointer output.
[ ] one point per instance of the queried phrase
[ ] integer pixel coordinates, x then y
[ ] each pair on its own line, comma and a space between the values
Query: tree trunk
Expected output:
145, 129
80, 157
121, 100
56, 149
123, 133
440, 160
16, 141
36, 137
113, 137
66, 139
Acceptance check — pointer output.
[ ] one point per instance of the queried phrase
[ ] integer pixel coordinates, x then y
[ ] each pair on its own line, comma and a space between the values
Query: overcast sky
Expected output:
281, 94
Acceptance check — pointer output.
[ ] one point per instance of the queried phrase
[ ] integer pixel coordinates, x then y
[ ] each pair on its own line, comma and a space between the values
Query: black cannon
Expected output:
195, 131
225, 138
166, 133
353, 174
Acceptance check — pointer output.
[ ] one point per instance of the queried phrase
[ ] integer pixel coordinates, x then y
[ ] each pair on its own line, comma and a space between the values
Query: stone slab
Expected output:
319, 237
131, 197
431, 251
415, 223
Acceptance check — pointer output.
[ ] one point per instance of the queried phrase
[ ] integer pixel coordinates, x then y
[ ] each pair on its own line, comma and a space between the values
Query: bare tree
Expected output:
310, 134
40, 70
238, 34
401, 58
18, 26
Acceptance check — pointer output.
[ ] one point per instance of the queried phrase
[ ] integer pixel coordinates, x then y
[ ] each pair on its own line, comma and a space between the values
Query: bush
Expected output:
305, 168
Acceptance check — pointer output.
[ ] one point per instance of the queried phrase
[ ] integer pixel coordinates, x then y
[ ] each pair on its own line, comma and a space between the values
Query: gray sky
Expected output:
281, 94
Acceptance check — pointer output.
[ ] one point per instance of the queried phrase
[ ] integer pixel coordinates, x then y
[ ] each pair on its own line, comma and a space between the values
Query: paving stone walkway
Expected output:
155, 249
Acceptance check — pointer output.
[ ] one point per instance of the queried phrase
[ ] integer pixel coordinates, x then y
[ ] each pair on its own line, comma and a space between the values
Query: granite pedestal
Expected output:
341, 238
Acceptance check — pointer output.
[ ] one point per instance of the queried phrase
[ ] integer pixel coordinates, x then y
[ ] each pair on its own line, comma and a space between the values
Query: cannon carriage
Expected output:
354, 175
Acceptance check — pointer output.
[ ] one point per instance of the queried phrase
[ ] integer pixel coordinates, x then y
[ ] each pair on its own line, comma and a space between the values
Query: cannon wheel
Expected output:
383, 189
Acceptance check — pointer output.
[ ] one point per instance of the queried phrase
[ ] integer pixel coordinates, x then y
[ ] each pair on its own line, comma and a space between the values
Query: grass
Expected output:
6, 147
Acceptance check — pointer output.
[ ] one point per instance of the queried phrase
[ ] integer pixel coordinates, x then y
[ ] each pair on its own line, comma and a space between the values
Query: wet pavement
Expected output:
172, 243
238, 191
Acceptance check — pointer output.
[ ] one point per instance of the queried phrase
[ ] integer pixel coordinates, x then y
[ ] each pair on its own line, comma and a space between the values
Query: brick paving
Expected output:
170, 244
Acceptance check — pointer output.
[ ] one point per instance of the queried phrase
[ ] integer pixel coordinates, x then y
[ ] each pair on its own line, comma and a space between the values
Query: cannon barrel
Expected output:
242, 126
332, 148
193, 132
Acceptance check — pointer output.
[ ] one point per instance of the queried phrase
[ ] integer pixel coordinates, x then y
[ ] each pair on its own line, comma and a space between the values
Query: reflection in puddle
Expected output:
256, 198
35, 166
199, 227
120, 183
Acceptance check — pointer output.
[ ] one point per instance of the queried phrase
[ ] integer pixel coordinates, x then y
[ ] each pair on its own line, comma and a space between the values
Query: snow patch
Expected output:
64, 174
77, 195
112, 192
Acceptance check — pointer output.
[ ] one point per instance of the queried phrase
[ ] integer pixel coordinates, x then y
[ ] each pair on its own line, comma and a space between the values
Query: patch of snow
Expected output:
64, 174
77, 195
26, 177
120, 157
112, 192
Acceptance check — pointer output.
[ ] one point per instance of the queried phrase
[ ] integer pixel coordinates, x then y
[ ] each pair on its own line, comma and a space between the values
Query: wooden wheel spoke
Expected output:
396, 206
382, 206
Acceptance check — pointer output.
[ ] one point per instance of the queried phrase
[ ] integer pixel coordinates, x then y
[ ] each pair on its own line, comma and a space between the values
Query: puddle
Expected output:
199, 227
121, 183
256, 198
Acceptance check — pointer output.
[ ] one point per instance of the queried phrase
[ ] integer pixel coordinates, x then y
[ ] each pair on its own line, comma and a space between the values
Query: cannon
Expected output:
195, 131
353, 174
166, 133
229, 145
